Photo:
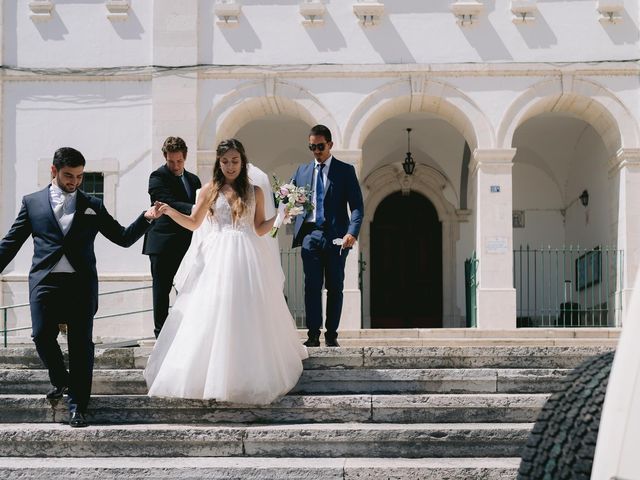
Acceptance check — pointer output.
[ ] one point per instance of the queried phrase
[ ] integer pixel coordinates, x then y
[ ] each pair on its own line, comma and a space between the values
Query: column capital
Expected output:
494, 155
491, 157
352, 157
625, 157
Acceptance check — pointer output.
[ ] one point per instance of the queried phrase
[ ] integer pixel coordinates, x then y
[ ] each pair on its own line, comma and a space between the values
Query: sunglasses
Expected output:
319, 146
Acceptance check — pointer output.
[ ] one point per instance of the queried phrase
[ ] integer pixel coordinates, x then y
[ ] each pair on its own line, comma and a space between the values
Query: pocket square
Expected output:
90, 211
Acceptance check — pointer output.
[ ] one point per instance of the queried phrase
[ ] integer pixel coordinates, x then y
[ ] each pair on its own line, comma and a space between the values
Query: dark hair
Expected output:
68, 157
174, 144
241, 184
322, 131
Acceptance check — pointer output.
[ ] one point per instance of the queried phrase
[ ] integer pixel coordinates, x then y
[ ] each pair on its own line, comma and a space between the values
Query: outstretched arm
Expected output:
199, 212
17, 235
125, 237
260, 224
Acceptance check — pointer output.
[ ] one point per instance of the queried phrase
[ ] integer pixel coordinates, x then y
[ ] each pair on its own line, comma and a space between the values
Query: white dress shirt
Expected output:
64, 209
325, 173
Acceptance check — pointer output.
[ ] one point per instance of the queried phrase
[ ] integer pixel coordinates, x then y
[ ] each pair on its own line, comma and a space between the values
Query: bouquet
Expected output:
291, 201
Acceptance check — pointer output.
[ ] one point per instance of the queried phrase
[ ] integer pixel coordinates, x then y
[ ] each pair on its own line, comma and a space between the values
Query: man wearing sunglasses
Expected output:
327, 233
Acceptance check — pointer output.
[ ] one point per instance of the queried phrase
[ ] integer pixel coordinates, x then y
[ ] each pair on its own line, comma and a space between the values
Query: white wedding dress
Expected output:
230, 335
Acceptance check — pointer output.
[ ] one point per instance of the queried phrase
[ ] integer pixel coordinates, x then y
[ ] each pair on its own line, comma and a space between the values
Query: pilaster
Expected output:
625, 170
352, 307
175, 92
491, 175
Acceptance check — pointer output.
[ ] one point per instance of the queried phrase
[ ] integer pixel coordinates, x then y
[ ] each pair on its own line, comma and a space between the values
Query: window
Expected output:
93, 184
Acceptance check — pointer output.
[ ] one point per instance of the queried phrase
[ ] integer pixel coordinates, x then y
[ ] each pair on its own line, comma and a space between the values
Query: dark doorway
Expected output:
406, 263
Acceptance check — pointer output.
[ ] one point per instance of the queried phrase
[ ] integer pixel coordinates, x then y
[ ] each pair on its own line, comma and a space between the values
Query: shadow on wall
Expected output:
625, 32
129, 29
53, 29
388, 43
484, 38
327, 38
537, 34
242, 38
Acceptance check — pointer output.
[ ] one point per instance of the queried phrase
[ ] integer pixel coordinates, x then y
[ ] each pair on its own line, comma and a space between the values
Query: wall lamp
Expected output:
584, 198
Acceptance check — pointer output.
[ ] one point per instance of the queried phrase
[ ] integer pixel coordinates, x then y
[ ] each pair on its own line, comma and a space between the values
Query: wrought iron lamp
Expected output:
584, 198
408, 165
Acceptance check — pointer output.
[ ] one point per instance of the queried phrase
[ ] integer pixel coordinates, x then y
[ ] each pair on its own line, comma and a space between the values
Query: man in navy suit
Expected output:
334, 188
63, 281
167, 242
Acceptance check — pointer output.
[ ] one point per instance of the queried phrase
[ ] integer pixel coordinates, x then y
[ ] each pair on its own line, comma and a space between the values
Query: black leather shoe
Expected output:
56, 393
312, 341
331, 341
77, 420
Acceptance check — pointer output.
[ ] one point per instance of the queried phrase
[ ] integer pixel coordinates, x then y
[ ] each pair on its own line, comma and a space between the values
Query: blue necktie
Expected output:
320, 196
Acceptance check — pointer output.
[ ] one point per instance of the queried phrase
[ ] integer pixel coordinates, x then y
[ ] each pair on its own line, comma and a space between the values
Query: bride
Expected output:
229, 336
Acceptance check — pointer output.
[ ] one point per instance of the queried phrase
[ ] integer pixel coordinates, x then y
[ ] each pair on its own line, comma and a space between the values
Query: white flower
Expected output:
294, 211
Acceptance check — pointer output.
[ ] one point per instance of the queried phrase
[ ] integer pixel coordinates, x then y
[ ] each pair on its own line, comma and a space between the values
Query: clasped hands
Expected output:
156, 211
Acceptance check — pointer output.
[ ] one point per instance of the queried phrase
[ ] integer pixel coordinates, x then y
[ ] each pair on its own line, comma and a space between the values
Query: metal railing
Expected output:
567, 286
471, 289
293, 291
293, 284
6, 308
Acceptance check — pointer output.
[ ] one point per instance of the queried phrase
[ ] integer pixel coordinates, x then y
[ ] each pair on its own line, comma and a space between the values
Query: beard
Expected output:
63, 187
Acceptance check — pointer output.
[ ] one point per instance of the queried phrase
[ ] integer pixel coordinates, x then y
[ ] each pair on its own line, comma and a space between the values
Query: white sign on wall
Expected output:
497, 245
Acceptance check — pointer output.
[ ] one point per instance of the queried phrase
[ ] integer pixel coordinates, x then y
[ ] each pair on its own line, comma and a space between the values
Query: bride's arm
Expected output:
193, 221
261, 225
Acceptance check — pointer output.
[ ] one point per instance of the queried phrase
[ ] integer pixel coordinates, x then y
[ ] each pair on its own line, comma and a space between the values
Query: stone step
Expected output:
471, 342
439, 408
197, 468
364, 357
453, 333
402, 333
443, 380
303, 440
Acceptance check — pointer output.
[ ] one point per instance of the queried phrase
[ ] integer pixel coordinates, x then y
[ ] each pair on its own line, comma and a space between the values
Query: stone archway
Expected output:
430, 183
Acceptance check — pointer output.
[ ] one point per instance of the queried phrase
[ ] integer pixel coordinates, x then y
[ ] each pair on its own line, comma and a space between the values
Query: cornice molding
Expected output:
405, 71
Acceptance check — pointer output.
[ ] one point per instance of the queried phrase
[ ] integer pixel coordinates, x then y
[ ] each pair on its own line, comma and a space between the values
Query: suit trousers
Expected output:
163, 269
65, 298
323, 263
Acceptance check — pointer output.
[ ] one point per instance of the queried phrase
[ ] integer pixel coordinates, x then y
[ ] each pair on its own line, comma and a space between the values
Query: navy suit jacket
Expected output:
36, 218
341, 190
166, 236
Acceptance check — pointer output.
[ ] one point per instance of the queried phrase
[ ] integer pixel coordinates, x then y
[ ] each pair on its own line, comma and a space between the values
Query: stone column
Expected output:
491, 181
175, 93
625, 172
2, 163
352, 308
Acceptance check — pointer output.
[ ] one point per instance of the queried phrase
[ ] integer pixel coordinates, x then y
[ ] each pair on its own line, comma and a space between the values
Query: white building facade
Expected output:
517, 109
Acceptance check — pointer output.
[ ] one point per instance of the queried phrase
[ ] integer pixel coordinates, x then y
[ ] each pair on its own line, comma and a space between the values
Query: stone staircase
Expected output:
446, 407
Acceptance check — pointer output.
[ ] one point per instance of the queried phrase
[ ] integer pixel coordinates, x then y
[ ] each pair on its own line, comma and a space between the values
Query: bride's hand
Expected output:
163, 208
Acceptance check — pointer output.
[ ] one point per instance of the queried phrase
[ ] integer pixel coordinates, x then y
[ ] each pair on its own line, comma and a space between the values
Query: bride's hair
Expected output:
241, 184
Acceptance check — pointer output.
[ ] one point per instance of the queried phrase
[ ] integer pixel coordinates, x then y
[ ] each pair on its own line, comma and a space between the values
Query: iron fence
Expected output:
470, 290
294, 284
567, 286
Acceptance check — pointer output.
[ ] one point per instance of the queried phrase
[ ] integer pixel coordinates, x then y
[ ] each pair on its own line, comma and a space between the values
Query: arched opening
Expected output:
406, 263
566, 264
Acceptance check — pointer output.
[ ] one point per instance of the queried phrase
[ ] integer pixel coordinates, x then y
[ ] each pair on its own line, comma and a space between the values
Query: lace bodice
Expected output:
222, 218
